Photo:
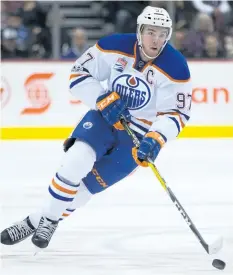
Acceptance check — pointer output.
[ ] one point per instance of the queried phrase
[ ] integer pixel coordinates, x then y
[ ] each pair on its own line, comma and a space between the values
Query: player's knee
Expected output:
77, 162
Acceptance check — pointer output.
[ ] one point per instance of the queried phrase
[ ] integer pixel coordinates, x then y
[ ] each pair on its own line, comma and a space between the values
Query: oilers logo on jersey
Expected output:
133, 90
87, 125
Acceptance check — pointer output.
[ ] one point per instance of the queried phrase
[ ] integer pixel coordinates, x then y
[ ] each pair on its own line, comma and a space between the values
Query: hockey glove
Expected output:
69, 142
149, 148
112, 109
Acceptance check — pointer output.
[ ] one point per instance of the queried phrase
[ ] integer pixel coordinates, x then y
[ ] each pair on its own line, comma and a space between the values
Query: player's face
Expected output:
153, 38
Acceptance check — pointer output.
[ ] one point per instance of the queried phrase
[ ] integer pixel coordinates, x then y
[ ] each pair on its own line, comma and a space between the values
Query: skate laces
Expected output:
19, 231
46, 229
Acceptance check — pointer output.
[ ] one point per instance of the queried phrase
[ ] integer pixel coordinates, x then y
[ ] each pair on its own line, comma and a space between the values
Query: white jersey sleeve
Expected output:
173, 109
86, 75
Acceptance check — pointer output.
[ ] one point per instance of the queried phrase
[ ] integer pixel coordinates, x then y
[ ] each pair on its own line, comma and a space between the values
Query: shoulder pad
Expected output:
118, 43
172, 64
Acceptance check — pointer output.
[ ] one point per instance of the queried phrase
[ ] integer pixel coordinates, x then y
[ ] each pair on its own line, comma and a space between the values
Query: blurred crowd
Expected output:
202, 29
24, 33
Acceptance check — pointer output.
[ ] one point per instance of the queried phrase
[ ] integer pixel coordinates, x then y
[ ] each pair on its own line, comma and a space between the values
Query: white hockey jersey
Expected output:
158, 93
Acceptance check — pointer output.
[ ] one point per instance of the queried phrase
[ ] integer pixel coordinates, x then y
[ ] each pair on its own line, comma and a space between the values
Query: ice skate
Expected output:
44, 232
17, 232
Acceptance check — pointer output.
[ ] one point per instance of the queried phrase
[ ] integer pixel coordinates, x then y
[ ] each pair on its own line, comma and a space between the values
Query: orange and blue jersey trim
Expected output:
113, 51
123, 44
176, 118
170, 62
182, 114
78, 79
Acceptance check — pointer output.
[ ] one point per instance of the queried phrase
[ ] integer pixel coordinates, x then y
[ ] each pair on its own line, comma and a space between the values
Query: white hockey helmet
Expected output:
155, 17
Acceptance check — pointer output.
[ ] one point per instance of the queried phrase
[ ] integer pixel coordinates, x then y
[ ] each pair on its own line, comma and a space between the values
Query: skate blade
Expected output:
37, 250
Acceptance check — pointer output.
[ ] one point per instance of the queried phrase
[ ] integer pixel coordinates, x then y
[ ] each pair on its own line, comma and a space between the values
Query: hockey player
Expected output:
148, 85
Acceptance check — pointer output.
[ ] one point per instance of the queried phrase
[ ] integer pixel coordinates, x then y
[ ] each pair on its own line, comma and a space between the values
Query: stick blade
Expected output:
215, 247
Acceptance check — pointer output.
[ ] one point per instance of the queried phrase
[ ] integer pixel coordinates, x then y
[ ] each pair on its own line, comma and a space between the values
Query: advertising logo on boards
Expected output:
37, 93
214, 95
5, 92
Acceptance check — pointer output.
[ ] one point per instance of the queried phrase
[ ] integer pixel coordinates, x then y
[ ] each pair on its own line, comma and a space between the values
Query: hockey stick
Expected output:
210, 249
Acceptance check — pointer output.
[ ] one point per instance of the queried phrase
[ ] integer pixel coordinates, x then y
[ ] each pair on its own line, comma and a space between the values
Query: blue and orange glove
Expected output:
149, 148
112, 108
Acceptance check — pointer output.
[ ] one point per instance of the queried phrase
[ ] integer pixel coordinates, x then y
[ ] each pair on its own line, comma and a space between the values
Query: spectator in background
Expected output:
78, 45
34, 17
122, 14
109, 11
40, 43
219, 10
8, 7
4, 15
28, 19
33, 14
184, 14
179, 37
9, 48
228, 41
125, 17
14, 21
194, 41
159, 4
231, 15
212, 47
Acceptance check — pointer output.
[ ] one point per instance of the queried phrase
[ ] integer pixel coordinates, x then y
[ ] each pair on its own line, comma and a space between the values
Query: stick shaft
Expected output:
169, 191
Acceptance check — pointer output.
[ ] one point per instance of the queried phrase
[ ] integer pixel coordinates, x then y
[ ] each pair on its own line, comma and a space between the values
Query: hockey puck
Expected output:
218, 264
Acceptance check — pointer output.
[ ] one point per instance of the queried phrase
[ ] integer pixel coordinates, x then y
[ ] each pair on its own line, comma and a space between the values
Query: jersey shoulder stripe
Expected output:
173, 64
118, 43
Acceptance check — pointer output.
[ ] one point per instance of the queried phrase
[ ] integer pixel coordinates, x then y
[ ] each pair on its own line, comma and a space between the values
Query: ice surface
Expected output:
131, 228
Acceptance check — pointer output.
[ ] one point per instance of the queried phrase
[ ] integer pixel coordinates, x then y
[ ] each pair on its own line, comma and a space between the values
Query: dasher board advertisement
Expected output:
36, 103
